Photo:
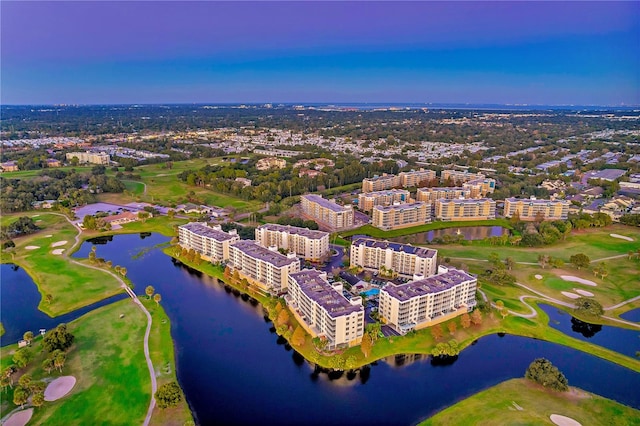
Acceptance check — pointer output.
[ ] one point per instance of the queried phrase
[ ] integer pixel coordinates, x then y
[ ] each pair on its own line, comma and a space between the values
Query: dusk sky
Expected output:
218, 52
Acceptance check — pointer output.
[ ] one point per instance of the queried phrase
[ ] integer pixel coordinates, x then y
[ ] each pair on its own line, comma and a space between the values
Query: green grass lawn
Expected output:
134, 187
72, 286
495, 406
29, 174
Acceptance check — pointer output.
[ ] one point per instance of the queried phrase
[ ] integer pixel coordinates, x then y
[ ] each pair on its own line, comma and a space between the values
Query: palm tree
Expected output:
123, 271
149, 291
157, 298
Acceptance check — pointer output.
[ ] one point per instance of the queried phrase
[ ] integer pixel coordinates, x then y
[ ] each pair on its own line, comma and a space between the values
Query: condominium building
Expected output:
479, 188
416, 177
447, 193
89, 157
425, 302
323, 310
327, 213
463, 209
271, 163
401, 215
458, 177
366, 201
211, 242
403, 259
306, 243
380, 183
262, 266
533, 208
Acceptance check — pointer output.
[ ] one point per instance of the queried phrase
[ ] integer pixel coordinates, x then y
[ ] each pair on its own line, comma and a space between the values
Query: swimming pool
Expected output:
371, 292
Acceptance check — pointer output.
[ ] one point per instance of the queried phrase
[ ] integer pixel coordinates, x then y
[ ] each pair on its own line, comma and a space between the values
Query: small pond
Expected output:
618, 339
632, 315
466, 232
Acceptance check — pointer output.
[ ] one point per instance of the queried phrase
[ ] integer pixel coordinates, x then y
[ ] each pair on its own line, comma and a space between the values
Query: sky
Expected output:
536, 53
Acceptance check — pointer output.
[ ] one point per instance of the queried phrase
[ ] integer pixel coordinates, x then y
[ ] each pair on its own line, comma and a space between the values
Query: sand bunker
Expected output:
19, 418
48, 236
622, 237
59, 388
583, 292
578, 280
57, 252
563, 420
570, 295
31, 247
59, 243
538, 277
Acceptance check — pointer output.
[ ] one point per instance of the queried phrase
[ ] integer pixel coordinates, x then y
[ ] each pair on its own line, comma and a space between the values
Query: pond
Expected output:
618, 339
468, 232
632, 315
19, 299
234, 369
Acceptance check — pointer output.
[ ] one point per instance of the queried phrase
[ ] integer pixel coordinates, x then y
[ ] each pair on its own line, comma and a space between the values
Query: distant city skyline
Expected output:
547, 53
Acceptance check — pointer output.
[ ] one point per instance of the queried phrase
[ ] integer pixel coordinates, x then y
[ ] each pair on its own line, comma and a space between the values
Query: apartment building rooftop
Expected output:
434, 284
443, 188
253, 249
385, 192
534, 200
326, 203
314, 285
207, 231
408, 206
423, 252
381, 177
466, 200
305, 232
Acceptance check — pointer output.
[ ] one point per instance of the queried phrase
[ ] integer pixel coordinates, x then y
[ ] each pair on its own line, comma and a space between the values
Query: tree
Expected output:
543, 372
436, 332
298, 337
20, 396
465, 320
157, 298
452, 327
25, 381
476, 317
48, 365
580, 260
37, 400
587, 306
366, 346
28, 336
543, 260
509, 263
60, 360
48, 298
123, 271
149, 291
168, 395
283, 318
58, 338
22, 357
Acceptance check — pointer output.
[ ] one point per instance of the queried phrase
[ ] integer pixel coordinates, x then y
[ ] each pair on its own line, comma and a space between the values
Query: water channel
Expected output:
235, 370
466, 232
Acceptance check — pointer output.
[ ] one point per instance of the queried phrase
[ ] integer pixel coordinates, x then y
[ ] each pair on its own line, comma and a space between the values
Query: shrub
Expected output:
168, 395
546, 374
585, 305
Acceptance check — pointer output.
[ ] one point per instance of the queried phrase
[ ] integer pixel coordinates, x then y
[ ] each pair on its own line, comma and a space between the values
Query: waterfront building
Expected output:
399, 216
425, 302
463, 209
459, 177
211, 242
380, 183
323, 310
403, 259
366, 201
530, 209
327, 213
261, 266
89, 157
479, 188
416, 177
447, 193
306, 243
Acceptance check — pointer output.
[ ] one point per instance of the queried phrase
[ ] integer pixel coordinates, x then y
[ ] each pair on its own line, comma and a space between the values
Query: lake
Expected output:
234, 369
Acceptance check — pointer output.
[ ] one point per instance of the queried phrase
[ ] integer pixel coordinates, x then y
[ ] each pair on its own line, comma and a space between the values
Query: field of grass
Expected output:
497, 406
134, 187
28, 174
72, 286
378, 233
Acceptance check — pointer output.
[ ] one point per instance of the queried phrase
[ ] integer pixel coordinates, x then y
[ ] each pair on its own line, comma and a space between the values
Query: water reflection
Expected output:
584, 328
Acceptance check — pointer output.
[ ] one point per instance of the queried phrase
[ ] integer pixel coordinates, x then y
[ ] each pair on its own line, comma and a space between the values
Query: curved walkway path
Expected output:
127, 289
